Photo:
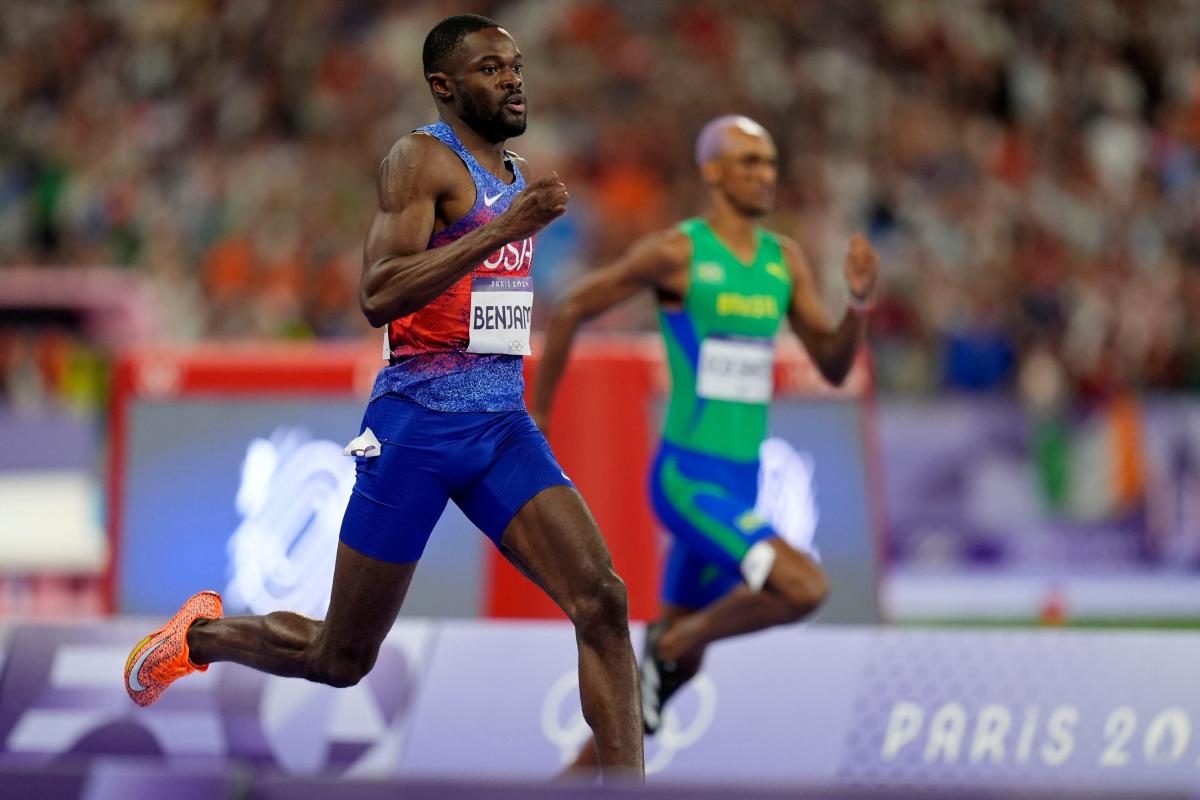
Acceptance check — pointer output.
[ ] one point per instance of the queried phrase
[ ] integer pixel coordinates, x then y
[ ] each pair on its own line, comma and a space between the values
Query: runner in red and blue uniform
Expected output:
447, 271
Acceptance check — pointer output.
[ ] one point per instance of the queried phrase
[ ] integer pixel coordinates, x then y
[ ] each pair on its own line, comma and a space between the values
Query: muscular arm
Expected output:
657, 261
399, 275
832, 349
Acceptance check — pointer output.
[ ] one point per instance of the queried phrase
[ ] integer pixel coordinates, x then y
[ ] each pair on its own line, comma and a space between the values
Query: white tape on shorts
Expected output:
756, 564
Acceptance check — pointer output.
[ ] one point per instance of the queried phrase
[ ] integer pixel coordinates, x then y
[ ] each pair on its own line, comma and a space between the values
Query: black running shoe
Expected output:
660, 679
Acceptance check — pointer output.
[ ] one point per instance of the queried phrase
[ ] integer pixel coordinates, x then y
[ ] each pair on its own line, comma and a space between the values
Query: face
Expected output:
746, 170
483, 84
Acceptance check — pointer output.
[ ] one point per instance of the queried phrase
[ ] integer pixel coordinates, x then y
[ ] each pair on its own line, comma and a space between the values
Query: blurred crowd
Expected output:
1028, 170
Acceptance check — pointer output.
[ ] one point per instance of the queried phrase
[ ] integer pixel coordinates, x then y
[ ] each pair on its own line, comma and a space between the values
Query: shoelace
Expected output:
169, 669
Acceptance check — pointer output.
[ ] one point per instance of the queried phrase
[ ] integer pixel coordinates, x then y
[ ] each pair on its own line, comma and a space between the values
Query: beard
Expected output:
494, 126
751, 209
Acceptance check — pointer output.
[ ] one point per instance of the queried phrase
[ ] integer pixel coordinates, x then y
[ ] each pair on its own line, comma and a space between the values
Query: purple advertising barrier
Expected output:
62, 694
764, 711
123, 779
857, 709
282, 788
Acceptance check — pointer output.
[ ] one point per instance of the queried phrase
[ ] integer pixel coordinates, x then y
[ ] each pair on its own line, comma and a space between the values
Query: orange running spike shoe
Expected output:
162, 657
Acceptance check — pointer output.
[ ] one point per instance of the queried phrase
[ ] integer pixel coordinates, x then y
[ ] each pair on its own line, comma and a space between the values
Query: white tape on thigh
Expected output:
756, 564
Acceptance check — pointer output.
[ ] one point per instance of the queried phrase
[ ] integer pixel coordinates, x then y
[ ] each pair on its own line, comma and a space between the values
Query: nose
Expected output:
511, 80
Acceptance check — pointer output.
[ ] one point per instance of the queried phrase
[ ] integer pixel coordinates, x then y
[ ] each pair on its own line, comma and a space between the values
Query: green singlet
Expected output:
721, 343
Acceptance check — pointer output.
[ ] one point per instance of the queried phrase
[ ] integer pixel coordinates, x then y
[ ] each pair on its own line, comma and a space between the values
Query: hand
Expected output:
861, 267
539, 204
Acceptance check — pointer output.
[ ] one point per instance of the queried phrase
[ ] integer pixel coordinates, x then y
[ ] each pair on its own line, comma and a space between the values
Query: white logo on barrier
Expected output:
564, 727
787, 495
292, 496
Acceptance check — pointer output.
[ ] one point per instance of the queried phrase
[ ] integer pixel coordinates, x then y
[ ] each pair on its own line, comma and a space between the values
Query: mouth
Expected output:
516, 104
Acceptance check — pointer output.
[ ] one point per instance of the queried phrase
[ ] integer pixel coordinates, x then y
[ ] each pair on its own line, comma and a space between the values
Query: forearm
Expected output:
394, 286
834, 352
560, 333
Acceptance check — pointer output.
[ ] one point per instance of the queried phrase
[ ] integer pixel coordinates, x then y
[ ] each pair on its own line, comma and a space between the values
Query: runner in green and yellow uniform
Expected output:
724, 284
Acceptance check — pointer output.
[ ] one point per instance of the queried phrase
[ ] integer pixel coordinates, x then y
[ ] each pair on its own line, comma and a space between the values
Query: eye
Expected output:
489, 70
517, 68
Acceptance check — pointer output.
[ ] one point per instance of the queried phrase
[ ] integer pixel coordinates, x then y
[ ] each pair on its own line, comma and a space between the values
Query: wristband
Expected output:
860, 305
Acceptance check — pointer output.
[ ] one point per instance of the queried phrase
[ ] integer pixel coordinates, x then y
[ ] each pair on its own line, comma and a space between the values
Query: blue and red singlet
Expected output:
447, 418
462, 352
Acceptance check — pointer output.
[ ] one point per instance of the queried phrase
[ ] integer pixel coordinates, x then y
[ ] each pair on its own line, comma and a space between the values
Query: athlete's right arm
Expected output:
400, 275
658, 261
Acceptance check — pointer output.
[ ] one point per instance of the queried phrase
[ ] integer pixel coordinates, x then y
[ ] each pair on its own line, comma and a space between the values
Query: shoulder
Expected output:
418, 148
675, 245
419, 154
793, 256
416, 163
787, 245
664, 251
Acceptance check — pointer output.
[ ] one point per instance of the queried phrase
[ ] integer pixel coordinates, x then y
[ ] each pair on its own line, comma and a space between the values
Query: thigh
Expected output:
555, 541
715, 525
691, 581
366, 598
398, 494
520, 468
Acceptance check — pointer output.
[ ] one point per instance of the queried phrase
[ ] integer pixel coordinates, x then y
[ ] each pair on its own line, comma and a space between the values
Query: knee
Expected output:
342, 669
805, 593
602, 606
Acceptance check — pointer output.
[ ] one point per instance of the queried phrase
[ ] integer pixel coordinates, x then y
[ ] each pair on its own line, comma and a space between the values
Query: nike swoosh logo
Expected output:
488, 201
134, 683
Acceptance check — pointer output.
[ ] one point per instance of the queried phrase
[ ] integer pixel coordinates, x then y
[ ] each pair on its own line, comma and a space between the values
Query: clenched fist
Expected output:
861, 268
539, 204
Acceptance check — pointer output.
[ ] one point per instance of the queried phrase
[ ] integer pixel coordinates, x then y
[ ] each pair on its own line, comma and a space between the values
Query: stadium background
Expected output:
184, 189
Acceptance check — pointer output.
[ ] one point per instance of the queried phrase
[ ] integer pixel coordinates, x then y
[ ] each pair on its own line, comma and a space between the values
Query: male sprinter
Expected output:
446, 267
723, 285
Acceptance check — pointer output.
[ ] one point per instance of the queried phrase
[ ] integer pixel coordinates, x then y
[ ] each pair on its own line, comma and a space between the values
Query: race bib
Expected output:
740, 370
501, 309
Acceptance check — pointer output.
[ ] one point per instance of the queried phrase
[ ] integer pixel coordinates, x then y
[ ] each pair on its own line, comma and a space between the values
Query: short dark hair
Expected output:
446, 37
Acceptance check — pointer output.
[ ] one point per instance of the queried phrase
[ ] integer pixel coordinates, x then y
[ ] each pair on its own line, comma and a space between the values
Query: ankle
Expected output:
195, 640
673, 644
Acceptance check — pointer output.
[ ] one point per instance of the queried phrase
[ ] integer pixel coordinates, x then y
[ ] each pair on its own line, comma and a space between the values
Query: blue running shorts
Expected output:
707, 504
489, 463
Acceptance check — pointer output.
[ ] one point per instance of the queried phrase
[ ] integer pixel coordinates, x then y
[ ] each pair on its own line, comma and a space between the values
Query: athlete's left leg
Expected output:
795, 587
526, 504
555, 541
587, 761
708, 505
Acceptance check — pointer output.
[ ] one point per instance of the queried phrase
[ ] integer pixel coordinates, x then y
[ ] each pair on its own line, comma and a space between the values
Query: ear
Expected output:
710, 171
441, 85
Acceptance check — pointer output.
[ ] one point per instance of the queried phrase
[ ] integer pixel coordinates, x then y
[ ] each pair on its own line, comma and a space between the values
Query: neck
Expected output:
490, 154
729, 223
